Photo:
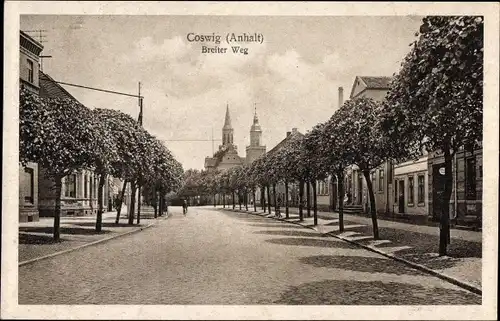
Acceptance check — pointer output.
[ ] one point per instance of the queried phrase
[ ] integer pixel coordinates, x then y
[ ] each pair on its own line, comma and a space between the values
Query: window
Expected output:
373, 179
326, 187
411, 191
70, 186
421, 189
29, 191
470, 178
85, 186
30, 71
381, 180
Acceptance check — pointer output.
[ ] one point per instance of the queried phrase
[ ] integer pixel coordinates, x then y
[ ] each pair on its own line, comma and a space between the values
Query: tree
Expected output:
105, 154
359, 122
436, 100
57, 134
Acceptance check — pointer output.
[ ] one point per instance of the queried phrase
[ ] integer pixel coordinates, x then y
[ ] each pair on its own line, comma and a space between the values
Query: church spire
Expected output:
255, 118
227, 121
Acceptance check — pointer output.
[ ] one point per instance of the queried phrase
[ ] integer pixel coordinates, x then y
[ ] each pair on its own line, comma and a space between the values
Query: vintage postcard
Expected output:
263, 160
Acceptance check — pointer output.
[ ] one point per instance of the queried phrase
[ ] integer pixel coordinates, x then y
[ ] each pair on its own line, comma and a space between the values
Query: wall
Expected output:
403, 172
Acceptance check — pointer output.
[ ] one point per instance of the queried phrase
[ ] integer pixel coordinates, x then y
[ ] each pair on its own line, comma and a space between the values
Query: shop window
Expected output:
421, 189
411, 191
470, 178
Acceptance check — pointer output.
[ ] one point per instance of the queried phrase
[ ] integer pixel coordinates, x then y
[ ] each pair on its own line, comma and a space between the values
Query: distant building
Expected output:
227, 155
29, 66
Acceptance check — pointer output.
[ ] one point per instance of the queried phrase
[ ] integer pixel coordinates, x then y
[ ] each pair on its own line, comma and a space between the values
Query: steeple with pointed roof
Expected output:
227, 130
255, 149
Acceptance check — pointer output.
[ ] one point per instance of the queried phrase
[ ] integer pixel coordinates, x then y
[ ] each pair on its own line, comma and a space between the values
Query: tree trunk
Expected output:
275, 200
155, 204
315, 203
98, 223
246, 200
138, 204
160, 205
224, 200
263, 198
301, 200
132, 204
57, 208
91, 190
254, 202
340, 197
444, 226
286, 199
234, 204
308, 198
215, 200
239, 199
373, 209
269, 198
118, 210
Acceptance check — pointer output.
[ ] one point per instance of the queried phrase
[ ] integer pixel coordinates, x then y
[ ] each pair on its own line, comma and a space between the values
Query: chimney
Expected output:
341, 96
288, 134
294, 130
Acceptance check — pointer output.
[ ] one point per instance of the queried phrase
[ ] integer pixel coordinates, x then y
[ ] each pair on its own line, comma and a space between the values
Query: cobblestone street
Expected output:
215, 257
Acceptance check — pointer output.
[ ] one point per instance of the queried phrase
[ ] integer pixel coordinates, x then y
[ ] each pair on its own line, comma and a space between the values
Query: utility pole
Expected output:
139, 185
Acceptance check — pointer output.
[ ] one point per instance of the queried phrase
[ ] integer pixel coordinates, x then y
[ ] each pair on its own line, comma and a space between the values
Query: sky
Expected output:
292, 77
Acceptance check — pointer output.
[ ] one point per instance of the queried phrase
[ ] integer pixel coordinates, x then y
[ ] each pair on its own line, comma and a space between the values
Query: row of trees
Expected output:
435, 103
64, 137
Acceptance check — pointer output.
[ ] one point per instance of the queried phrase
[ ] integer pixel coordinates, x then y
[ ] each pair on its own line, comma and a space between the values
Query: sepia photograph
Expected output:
250, 161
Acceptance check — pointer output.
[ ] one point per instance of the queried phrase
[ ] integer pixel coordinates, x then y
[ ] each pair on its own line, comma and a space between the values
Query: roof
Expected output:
51, 89
29, 43
227, 121
286, 139
376, 82
210, 162
371, 82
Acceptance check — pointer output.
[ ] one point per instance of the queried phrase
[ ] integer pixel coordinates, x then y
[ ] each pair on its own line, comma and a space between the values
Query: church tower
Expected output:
227, 130
255, 149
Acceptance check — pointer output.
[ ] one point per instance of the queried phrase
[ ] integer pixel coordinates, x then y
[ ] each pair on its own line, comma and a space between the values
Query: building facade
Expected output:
466, 198
29, 67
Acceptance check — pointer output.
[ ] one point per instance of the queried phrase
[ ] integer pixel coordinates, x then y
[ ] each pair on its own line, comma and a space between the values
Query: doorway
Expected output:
401, 197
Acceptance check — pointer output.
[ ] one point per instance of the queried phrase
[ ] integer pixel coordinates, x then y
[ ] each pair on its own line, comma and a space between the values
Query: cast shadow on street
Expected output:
104, 224
350, 292
290, 233
312, 242
37, 239
360, 264
63, 230
276, 224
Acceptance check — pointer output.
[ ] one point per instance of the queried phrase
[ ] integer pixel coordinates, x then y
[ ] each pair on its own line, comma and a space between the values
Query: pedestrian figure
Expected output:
184, 207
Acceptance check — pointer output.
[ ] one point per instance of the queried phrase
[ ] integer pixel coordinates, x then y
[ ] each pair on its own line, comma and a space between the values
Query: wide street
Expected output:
217, 257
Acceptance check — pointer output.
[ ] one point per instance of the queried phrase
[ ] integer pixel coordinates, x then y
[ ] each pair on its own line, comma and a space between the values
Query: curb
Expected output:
440, 275
86, 245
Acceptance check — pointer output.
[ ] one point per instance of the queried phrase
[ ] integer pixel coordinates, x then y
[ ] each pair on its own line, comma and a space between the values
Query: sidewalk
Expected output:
36, 238
415, 244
